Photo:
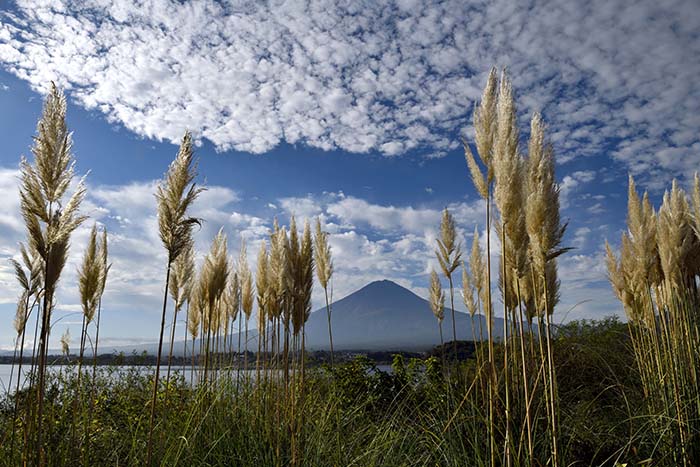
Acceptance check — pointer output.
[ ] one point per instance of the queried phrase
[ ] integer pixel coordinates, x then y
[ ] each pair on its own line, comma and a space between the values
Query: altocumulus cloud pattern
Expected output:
614, 77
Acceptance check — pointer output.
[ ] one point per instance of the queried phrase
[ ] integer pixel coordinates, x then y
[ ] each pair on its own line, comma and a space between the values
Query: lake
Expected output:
6, 369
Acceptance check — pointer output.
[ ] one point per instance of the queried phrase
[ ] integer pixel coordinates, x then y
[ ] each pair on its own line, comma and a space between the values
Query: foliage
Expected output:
388, 417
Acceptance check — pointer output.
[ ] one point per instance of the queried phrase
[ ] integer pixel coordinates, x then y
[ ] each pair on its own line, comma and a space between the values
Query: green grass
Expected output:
353, 415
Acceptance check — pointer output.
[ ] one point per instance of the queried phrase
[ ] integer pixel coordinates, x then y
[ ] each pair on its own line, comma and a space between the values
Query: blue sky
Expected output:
354, 116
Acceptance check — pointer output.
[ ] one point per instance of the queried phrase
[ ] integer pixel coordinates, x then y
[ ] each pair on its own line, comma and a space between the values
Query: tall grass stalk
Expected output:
180, 289
174, 196
655, 278
324, 272
526, 196
29, 275
449, 254
485, 126
49, 222
89, 286
437, 306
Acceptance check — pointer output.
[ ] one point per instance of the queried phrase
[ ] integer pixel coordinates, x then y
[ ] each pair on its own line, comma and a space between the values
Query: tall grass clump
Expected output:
526, 220
50, 218
656, 279
175, 195
29, 275
213, 282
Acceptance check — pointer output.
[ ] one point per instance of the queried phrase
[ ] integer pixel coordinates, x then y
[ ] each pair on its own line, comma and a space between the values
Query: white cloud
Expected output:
356, 211
571, 184
610, 77
586, 292
580, 237
371, 241
135, 284
301, 207
368, 241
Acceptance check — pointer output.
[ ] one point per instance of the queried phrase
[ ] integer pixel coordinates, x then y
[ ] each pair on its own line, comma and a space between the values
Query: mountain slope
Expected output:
386, 316
380, 316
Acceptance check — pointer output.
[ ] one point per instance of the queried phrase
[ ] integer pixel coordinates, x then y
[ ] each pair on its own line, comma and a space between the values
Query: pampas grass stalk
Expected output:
545, 232
449, 254
233, 299
437, 306
49, 221
305, 289
174, 195
194, 318
30, 281
89, 287
215, 272
247, 299
180, 285
103, 255
479, 279
485, 127
509, 201
655, 278
468, 291
324, 272
104, 271
262, 277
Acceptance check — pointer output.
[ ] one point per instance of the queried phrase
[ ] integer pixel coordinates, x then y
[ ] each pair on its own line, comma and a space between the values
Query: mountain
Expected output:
380, 316
386, 316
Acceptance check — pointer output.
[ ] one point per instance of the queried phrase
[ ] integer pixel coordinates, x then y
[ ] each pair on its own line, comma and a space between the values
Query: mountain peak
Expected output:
383, 315
383, 284
382, 293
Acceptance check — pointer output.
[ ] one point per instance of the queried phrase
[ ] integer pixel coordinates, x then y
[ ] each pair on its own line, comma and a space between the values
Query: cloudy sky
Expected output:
348, 111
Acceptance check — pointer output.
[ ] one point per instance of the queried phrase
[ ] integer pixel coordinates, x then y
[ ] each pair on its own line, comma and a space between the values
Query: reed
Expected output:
214, 279
655, 278
65, 343
90, 288
485, 126
50, 219
175, 195
104, 267
449, 254
262, 288
247, 298
194, 317
479, 279
437, 305
545, 233
233, 302
29, 276
324, 272
180, 289
526, 198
